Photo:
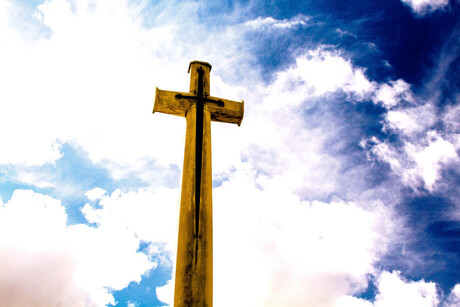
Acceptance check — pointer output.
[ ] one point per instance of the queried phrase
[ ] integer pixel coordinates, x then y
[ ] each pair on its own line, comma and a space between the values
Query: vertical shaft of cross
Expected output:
193, 285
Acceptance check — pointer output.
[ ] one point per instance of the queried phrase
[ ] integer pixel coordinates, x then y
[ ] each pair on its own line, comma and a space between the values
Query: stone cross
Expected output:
194, 249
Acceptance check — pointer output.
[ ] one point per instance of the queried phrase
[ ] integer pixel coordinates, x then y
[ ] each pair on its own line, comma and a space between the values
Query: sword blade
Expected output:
199, 147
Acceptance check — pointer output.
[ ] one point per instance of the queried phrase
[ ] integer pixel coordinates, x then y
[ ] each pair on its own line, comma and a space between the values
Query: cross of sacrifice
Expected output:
193, 286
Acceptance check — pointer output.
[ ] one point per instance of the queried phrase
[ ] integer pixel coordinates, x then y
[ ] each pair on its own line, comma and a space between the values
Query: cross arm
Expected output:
177, 103
228, 112
170, 102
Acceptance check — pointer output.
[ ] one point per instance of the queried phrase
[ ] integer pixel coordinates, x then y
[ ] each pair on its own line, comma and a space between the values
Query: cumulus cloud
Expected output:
411, 121
422, 7
454, 297
45, 262
423, 149
151, 215
95, 194
40, 279
416, 163
35, 269
316, 73
429, 159
392, 93
166, 293
395, 291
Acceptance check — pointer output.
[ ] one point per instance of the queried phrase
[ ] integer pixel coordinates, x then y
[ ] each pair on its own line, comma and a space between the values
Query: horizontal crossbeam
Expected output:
177, 103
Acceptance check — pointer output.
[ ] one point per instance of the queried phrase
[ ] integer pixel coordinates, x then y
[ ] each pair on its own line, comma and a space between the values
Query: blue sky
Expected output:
340, 188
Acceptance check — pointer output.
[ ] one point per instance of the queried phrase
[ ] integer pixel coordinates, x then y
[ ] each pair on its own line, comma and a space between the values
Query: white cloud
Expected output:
392, 93
423, 151
33, 178
316, 73
150, 215
36, 222
396, 292
452, 124
422, 7
95, 194
166, 293
86, 262
411, 120
454, 297
36, 269
417, 162
429, 159
259, 22
41, 279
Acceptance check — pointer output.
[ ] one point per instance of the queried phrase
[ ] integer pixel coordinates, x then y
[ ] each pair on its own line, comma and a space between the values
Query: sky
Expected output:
340, 188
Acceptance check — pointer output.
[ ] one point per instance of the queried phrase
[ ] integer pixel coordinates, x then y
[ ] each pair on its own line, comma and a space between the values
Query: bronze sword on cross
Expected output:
200, 100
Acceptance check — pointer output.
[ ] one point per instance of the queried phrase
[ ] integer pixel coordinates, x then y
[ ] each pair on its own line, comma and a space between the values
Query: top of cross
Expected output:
177, 103
199, 63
